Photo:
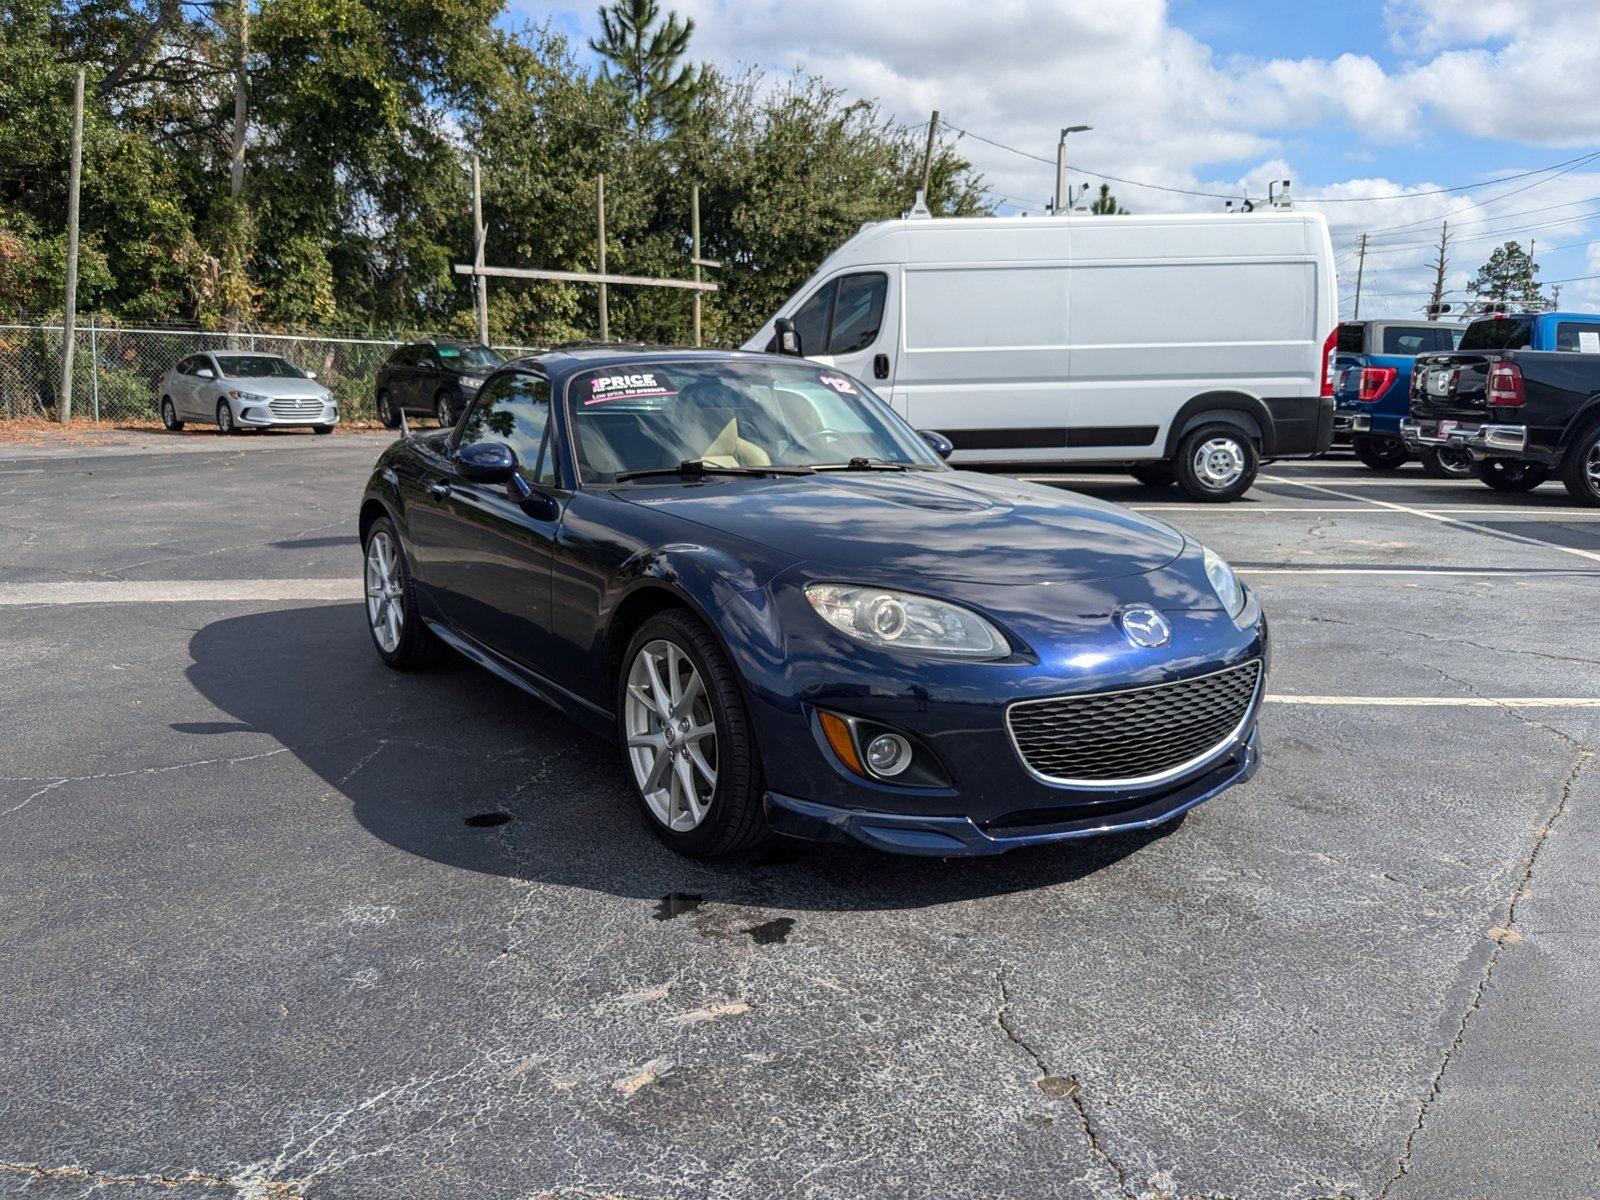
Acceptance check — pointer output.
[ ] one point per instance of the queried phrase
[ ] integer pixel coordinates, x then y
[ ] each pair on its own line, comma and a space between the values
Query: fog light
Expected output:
888, 754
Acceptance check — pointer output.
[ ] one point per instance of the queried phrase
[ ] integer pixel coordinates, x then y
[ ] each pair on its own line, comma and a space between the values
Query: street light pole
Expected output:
1062, 204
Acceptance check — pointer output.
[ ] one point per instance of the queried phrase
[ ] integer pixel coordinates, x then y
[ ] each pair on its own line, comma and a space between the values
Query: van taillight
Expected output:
1328, 347
1505, 386
1374, 382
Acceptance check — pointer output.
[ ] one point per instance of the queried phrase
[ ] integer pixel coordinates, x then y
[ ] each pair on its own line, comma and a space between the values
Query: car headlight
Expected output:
252, 397
472, 382
901, 620
1224, 582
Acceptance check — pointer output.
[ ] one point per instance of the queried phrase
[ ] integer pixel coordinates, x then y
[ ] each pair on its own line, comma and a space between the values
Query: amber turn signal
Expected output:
838, 735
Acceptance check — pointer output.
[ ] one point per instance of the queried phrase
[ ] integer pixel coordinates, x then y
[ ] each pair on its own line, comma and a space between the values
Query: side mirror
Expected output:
937, 442
486, 462
788, 337
311, 374
205, 373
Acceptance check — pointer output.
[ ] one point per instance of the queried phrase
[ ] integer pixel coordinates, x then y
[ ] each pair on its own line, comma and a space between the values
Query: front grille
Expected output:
296, 407
1127, 736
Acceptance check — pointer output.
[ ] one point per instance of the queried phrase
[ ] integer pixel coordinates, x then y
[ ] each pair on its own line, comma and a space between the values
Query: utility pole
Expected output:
241, 102
694, 227
927, 156
480, 282
1063, 201
1361, 267
241, 121
1438, 273
600, 203
70, 314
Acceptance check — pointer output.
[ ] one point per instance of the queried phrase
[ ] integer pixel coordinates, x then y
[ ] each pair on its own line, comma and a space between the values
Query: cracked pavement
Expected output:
280, 923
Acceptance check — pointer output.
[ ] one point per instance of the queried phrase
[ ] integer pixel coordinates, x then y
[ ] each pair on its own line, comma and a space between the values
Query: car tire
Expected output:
225, 421
1580, 471
323, 429
169, 415
1380, 453
1154, 474
731, 815
442, 412
1451, 464
388, 414
1511, 474
1217, 463
407, 644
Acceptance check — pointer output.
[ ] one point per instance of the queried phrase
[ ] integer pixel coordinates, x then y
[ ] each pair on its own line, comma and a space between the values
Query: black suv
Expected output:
436, 378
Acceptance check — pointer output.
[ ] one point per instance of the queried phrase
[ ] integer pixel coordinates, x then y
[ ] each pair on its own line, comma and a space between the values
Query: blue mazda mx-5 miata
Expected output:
795, 618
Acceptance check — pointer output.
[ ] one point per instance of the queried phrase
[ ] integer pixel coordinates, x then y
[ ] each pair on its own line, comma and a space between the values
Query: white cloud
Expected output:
1168, 109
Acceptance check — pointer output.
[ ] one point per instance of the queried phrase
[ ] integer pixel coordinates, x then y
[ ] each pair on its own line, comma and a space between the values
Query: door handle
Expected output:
439, 490
880, 366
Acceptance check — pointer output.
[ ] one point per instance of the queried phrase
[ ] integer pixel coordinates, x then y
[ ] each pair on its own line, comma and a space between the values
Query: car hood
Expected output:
274, 386
935, 525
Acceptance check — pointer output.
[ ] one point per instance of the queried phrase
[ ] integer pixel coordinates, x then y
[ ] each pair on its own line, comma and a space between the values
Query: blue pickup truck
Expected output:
1373, 394
1521, 397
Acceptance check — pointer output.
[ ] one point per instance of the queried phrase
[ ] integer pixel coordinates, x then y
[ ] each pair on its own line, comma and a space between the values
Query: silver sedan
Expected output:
240, 390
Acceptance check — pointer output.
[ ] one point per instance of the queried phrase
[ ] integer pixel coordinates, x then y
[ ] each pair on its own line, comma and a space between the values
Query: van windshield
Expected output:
650, 416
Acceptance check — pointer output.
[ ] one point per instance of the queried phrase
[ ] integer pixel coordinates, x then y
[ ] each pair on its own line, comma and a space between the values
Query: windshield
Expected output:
468, 358
648, 416
258, 366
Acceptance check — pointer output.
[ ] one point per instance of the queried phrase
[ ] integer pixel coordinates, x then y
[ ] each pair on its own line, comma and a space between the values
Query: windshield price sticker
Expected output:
638, 385
838, 383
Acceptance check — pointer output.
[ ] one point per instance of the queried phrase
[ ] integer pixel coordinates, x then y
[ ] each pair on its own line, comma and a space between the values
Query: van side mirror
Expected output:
937, 442
486, 462
788, 338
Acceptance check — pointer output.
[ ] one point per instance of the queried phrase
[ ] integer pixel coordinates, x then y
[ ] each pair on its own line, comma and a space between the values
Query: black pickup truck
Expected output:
1521, 396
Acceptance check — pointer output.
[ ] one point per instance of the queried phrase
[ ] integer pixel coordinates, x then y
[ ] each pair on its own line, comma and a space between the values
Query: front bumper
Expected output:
1480, 441
961, 836
992, 800
259, 414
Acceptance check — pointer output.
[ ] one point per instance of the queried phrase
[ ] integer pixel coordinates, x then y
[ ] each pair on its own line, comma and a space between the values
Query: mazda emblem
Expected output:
1144, 626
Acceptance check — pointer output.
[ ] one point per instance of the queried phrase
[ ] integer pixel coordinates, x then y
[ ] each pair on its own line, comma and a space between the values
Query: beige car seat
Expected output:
728, 449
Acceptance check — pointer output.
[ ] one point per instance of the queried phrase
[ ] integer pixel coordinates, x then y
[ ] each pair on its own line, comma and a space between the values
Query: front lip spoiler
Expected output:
1482, 439
953, 837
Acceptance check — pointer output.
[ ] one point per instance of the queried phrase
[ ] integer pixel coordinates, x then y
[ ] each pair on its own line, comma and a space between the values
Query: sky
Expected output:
1369, 107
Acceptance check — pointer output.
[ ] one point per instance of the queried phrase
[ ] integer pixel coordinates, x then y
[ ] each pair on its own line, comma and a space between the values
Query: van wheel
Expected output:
1511, 474
1381, 453
1154, 474
1446, 464
1580, 473
1217, 463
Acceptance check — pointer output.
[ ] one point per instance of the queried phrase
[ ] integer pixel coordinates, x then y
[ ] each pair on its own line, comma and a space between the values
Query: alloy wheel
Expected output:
385, 591
671, 735
225, 417
1219, 462
441, 411
1591, 469
169, 415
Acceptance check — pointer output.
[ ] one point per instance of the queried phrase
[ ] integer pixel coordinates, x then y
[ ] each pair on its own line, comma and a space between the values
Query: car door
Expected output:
177, 386
425, 384
485, 548
204, 392
858, 342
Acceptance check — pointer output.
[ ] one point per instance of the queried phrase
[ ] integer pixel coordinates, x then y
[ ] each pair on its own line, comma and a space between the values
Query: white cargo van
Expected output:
1188, 347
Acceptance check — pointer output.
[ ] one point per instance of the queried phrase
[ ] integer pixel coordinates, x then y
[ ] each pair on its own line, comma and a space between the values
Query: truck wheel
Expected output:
1217, 463
1380, 453
1581, 470
1446, 464
1511, 474
1154, 474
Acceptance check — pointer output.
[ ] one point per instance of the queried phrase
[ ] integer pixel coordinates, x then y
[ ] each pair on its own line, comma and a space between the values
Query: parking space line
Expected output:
1446, 572
1500, 534
181, 591
1367, 507
1441, 701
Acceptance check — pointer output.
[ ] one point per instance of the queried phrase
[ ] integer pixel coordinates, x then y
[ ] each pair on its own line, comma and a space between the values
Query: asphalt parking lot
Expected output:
277, 922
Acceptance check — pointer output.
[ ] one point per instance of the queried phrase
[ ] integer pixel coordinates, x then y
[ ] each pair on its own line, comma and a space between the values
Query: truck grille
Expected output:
296, 407
1128, 736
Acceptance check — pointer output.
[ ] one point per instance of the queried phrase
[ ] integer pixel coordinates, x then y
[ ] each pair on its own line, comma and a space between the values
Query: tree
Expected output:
642, 54
1105, 204
1510, 277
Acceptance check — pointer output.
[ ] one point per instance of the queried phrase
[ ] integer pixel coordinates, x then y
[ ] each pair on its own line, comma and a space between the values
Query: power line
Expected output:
1566, 168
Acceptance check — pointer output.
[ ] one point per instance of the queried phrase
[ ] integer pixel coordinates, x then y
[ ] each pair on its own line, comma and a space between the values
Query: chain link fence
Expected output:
115, 370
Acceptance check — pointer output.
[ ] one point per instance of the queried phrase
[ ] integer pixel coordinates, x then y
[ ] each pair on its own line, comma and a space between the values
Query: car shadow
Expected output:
456, 766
